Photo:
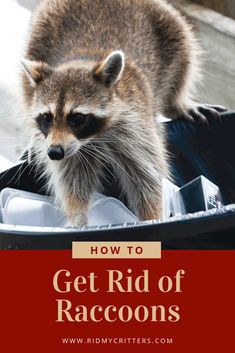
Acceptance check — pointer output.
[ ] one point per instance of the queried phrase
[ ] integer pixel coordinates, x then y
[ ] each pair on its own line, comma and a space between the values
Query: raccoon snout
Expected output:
55, 152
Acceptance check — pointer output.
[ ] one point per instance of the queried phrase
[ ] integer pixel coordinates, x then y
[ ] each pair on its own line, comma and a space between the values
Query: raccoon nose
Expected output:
55, 152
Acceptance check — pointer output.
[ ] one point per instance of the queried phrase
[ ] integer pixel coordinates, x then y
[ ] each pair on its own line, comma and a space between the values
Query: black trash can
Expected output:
195, 150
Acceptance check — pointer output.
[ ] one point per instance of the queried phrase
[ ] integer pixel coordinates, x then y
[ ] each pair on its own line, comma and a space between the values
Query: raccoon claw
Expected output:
203, 113
198, 115
194, 115
218, 108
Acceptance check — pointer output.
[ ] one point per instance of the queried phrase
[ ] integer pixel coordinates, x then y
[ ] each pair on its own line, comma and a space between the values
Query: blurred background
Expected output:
213, 20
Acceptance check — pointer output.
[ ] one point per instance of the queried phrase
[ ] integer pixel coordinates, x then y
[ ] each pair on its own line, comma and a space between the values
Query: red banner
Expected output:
182, 302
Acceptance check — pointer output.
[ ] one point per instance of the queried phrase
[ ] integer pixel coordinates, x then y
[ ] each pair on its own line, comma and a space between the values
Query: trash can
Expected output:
196, 150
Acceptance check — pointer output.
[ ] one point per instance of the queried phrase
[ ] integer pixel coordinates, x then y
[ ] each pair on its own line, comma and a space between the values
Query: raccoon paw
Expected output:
202, 113
77, 220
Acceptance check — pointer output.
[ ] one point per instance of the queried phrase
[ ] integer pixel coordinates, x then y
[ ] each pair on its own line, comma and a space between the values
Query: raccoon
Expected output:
96, 73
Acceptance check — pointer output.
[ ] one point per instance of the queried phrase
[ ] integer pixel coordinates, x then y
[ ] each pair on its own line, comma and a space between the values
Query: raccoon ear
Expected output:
110, 70
35, 70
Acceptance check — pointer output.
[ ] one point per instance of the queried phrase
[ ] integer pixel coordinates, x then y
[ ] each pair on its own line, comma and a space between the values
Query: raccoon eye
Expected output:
47, 117
76, 119
44, 122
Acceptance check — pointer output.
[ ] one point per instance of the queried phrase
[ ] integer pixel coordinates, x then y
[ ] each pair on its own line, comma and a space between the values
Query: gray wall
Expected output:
217, 35
29, 4
226, 7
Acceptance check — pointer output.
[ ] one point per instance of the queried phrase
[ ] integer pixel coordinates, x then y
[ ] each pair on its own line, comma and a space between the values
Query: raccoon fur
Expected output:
96, 73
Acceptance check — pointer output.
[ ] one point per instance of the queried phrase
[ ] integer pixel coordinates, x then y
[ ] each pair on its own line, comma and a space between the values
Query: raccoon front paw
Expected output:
78, 220
202, 113
75, 210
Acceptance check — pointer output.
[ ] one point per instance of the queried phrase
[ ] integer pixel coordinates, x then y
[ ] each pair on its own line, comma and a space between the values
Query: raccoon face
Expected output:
73, 103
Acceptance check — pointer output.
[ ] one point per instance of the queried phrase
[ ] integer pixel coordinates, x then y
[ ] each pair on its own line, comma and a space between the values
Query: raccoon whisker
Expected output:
99, 142
92, 168
102, 139
40, 168
80, 157
102, 147
106, 149
32, 166
115, 162
92, 154
2, 176
17, 171
11, 178
21, 172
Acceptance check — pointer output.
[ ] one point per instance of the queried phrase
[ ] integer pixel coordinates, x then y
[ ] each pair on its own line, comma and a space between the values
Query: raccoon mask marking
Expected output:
73, 102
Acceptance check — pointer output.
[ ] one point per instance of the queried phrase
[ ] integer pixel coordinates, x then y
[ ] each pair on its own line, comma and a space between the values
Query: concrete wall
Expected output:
226, 7
28, 4
217, 35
